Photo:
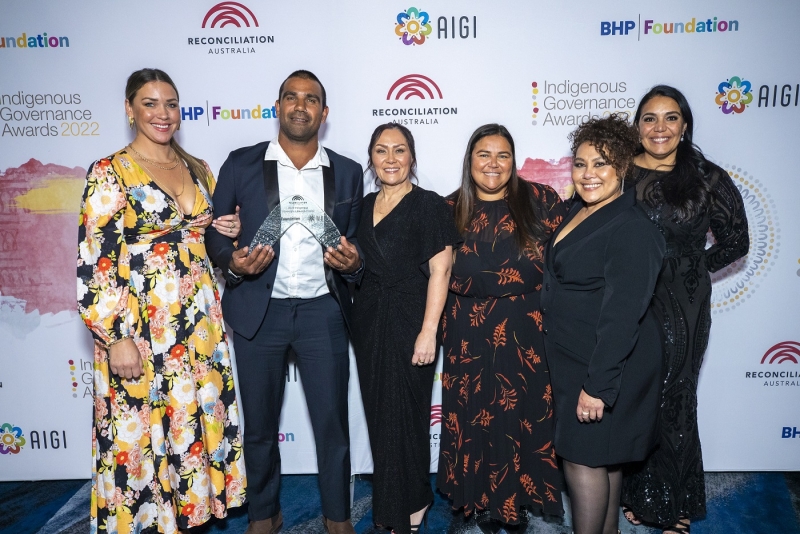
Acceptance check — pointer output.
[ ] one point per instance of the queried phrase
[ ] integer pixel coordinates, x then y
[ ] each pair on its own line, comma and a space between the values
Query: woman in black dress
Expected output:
496, 451
685, 195
407, 236
603, 343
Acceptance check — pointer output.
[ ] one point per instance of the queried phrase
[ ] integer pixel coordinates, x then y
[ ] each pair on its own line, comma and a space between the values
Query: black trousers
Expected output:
316, 331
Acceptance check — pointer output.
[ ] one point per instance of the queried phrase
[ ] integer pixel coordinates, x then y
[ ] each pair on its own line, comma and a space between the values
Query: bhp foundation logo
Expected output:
733, 95
436, 414
11, 439
416, 86
229, 14
787, 351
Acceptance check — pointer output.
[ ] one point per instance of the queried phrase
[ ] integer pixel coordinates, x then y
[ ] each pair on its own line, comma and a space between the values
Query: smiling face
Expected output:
595, 180
300, 110
491, 165
391, 157
155, 112
661, 126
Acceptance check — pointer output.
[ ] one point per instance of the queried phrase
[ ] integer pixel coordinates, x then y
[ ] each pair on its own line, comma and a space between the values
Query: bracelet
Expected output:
112, 343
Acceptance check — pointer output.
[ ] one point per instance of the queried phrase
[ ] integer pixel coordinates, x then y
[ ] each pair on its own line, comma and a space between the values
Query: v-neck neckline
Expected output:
374, 224
172, 200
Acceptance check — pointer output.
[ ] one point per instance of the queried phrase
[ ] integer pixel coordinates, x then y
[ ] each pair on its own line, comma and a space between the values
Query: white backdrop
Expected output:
537, 67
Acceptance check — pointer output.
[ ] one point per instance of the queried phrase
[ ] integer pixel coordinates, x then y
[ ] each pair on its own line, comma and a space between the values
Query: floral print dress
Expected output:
167, 448
496, 449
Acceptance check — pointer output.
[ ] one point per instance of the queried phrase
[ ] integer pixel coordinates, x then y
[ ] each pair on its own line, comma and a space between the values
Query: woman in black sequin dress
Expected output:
407, 236
685, 195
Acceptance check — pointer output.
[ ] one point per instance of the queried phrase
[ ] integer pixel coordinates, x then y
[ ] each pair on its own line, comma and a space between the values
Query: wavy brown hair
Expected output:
139, 79
612, 136
526, 210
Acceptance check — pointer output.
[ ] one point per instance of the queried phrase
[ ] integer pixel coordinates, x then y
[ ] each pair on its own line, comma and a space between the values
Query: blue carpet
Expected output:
745, 503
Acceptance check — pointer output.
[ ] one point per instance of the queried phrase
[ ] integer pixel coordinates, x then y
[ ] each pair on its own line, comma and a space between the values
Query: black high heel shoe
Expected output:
415, 528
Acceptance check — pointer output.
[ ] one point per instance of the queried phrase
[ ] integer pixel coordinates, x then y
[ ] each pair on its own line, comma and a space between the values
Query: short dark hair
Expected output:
612, 136
305, 75
409, 142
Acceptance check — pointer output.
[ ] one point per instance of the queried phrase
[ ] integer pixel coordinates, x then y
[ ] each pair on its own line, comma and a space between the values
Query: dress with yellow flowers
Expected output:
167, 446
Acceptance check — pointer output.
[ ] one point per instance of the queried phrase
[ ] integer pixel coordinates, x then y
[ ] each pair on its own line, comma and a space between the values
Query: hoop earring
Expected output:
130, 123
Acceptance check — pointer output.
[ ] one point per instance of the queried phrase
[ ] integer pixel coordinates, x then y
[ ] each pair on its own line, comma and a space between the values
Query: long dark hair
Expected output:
409, 143
687, 186
526, 210
139, 79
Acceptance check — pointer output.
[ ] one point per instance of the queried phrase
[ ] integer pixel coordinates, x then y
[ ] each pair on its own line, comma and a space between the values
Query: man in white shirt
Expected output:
294, 296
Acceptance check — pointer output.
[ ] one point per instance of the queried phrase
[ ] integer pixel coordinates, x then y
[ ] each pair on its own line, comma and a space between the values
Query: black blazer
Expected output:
600, 334
247, 181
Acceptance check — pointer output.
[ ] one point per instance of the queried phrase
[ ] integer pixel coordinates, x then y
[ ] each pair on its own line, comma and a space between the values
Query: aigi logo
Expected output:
413, 27
414, 87
788, 351
11, 439
234, 17
229, 13
733, 95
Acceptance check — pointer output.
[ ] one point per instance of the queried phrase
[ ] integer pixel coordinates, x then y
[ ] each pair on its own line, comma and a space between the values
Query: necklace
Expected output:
165, 188
177, 159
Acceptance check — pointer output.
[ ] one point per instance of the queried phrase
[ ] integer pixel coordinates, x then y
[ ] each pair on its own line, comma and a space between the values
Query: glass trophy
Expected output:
297, 210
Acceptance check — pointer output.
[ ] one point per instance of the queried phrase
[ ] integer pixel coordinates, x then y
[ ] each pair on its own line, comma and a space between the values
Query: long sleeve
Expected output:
355, 219
728, 225
220, 248
103, 262
632, 263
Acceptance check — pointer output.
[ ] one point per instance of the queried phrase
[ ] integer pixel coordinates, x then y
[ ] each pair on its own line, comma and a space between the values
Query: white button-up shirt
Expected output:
301, 272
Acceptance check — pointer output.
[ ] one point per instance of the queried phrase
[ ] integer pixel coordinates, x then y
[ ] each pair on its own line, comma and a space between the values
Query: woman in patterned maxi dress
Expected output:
496, 452
166, 443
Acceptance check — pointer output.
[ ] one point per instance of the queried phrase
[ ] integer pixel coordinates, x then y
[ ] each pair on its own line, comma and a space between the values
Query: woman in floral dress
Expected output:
496, 454
166, 444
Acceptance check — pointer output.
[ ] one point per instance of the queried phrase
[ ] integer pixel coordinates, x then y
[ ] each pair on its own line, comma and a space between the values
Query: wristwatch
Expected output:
233, 277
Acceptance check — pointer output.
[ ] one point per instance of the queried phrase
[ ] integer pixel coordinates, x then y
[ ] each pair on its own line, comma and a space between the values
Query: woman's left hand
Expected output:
424, 349
590, 409
228, 225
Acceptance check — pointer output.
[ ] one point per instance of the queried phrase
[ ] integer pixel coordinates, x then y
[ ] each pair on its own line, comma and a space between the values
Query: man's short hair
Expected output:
306, 75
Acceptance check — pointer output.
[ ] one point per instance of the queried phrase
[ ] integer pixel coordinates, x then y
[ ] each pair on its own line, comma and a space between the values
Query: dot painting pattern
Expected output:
736, 283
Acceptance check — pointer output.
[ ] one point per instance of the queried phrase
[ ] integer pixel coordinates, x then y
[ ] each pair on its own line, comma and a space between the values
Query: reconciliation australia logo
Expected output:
570, 102
240, 25
408, 112
782, 360
736, 94
11, 439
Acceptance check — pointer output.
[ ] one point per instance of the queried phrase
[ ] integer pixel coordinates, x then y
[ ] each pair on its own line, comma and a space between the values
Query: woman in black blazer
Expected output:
603, 342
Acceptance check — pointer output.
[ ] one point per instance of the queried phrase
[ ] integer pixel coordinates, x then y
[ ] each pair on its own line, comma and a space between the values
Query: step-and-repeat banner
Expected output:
441, 68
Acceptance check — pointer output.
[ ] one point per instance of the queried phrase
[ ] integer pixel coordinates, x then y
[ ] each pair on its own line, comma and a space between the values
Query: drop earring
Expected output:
130, 123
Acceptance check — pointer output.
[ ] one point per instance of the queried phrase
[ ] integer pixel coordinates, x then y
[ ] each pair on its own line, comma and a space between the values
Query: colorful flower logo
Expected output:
734, 95
413, 26
11, 439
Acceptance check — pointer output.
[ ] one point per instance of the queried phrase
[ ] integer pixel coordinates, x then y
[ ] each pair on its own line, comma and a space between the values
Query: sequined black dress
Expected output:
670, 484
388, 311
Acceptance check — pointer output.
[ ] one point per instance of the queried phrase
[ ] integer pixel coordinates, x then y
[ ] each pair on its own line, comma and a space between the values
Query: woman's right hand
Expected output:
124, 359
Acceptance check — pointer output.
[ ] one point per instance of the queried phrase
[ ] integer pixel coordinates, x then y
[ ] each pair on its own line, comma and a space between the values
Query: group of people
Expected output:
572, 330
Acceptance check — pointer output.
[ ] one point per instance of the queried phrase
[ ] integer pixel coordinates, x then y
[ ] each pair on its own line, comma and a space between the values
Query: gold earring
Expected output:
130, 123
179, 127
